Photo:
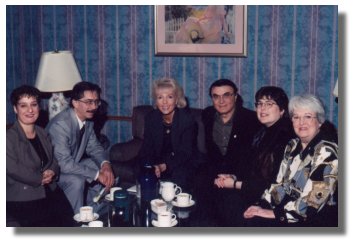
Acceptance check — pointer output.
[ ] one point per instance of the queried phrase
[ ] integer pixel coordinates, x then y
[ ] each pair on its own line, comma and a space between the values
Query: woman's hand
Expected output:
159, 169
47, 176
225, 180
253, 211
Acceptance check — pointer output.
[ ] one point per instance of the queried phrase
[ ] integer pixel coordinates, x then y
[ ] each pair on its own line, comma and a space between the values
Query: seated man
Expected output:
81, 157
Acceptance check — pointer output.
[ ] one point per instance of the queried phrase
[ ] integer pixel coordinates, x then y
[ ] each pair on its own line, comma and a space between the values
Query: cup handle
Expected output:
173, 217
178, 190
190, 197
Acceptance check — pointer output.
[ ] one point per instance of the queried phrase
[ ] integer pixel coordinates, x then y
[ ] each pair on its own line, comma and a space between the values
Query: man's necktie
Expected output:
82, 131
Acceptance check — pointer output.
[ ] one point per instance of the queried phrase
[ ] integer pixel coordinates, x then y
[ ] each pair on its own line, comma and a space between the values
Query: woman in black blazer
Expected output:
32, 196
170, 134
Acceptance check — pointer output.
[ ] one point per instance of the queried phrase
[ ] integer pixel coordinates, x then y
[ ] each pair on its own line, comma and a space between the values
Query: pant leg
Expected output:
230, 207
93, 188
59, 209
73, 187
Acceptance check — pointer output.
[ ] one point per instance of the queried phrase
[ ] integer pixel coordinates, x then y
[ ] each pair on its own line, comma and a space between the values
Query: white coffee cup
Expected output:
183, 199
96, 223
158, 205
112, 192
86, 213
169, 191
166, 219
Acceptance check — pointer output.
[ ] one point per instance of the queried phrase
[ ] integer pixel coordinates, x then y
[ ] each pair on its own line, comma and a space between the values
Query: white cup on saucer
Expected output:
183, 199
112, 192
96, 223
166, 219
86, 213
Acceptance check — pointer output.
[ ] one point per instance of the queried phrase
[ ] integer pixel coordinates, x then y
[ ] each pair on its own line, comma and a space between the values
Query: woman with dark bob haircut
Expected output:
32, 196
265, 155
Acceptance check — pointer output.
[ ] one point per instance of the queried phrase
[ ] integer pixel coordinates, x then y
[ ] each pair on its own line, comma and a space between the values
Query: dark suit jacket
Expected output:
23, 165
245, 125
183, 138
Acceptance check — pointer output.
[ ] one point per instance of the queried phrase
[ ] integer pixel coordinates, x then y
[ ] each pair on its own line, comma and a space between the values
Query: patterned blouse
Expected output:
306, 181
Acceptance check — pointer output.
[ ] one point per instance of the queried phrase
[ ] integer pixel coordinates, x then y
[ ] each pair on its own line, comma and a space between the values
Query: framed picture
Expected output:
214, 30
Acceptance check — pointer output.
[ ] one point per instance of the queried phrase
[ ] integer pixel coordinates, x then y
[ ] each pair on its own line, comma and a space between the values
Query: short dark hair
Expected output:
24, 91
275, 93
223, 82
79, 89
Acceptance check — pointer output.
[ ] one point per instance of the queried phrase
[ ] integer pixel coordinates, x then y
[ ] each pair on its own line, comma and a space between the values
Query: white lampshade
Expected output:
57, 72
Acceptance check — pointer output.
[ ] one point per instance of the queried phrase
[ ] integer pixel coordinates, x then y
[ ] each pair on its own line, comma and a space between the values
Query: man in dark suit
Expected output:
82, 159
229, 131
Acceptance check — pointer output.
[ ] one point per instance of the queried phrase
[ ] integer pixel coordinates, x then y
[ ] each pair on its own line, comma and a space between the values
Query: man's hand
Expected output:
47, 176
106, 176
225, 181
159, 169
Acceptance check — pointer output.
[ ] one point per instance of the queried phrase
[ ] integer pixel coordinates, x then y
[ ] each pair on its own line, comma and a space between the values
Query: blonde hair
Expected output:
173, 84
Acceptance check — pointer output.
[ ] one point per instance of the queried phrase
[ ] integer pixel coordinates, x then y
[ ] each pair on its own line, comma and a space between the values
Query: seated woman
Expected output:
305, 187
264, 157
32, 196
170, 134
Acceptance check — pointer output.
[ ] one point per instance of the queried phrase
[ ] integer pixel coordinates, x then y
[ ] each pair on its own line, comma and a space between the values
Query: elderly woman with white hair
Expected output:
170, 134
305, 190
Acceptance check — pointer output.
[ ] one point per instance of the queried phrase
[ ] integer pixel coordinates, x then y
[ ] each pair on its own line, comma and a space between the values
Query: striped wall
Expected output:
294, 47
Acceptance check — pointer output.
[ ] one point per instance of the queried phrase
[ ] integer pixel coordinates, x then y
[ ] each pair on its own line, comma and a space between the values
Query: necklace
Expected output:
167, 127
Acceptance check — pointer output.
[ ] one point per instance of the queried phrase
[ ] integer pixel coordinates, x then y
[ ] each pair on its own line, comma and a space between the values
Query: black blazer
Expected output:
245, 125
265, 157
183, 139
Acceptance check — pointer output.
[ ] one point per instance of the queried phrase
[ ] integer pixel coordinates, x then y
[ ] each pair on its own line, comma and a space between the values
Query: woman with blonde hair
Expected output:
170, 134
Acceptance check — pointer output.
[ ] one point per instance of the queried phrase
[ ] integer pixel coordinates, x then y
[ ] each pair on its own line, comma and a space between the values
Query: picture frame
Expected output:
188, 30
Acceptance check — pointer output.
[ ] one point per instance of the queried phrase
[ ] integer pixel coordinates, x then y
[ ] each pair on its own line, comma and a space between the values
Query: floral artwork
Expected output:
201, 30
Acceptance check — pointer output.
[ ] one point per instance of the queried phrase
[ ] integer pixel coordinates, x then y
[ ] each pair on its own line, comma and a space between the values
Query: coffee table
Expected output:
141, 215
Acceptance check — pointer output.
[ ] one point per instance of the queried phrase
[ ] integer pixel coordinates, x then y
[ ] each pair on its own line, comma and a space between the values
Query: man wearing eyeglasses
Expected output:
229, 130
82, 160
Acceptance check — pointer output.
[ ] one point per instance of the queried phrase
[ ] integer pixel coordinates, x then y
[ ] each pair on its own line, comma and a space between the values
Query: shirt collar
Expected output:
81, 123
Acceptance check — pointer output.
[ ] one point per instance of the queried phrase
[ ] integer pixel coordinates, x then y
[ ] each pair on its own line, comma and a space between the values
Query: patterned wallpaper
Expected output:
294, 47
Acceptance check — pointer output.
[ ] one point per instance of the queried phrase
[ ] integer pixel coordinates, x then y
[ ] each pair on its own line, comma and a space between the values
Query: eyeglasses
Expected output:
267, 105
91, 102
305, 119
225, 96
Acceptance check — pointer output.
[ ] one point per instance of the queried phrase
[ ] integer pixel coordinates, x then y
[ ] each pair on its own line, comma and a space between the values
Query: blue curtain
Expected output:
293, 47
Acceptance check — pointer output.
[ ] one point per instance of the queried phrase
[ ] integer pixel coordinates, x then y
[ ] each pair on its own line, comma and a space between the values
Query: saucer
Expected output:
156, 224
77, 218
175, 204
108, 197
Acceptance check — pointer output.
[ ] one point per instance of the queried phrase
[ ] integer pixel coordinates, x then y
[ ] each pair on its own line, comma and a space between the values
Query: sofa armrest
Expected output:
123, 152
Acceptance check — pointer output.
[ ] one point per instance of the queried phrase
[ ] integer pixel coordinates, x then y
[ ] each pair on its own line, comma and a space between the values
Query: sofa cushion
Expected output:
138, 115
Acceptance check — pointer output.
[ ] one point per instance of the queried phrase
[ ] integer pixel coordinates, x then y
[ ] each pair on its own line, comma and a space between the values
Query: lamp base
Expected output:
56, 104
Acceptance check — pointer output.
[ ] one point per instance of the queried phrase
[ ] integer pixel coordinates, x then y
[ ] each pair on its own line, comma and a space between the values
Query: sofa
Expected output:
123, 156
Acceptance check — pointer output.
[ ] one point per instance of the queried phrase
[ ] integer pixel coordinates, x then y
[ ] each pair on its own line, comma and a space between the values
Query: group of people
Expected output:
273, 167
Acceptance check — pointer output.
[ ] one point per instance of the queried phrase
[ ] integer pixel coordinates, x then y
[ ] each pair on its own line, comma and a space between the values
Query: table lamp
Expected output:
57, 73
